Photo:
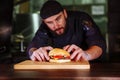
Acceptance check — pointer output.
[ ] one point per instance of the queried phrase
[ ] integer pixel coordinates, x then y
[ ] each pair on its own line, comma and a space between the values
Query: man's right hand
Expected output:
41, 54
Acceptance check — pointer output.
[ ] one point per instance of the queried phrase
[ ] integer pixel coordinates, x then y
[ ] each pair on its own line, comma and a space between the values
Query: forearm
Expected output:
93, 52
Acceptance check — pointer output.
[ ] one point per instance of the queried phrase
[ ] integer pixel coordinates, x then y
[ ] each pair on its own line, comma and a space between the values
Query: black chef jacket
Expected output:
80, 30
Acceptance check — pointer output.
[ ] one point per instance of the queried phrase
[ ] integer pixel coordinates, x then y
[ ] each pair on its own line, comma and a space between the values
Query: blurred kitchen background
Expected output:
24, 20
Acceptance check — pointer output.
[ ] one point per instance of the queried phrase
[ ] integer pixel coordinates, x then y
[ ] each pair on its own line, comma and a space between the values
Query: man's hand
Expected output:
77, 52
40, 54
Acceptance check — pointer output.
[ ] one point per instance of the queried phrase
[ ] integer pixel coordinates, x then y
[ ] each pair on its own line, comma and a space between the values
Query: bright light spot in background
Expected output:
36, 22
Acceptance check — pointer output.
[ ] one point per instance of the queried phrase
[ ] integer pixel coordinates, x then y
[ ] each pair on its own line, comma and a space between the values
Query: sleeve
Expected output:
92, 32
40, 39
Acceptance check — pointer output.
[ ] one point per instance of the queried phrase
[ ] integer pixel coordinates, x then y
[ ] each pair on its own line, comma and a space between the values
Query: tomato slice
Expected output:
61, 57
58, 56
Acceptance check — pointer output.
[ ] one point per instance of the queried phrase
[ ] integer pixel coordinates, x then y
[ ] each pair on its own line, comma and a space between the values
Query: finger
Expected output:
78, 56
72, 48
41, 50
66, 47
44, 51
75, 53
44, 54
48, 48
37, 56
32, 58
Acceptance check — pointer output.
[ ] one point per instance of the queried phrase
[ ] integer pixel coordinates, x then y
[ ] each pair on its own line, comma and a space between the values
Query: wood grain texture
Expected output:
28, 64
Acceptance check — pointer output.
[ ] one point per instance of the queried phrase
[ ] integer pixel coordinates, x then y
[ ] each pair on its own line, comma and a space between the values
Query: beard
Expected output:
58, 32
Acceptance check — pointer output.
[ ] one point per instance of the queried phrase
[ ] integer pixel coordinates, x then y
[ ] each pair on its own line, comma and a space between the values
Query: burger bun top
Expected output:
58, 51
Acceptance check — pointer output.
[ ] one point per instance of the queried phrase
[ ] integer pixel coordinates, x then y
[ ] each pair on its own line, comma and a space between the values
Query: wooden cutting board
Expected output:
28, 64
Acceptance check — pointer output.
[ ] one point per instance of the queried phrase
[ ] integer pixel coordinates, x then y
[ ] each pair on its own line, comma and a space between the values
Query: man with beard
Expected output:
73, 31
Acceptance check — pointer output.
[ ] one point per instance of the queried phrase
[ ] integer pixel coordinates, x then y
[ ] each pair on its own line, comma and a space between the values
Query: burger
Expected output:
59, 55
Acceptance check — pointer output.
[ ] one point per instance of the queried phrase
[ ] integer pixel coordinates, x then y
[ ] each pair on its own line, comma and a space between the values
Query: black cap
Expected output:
50, 8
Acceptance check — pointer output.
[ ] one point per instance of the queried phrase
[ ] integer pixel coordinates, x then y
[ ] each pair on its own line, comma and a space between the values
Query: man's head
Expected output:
54, 16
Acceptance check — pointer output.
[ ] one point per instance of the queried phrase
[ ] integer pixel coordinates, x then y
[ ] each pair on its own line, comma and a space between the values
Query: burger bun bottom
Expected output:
60, 61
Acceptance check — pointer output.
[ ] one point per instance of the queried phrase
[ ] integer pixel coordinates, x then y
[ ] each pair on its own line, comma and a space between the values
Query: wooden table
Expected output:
98, 71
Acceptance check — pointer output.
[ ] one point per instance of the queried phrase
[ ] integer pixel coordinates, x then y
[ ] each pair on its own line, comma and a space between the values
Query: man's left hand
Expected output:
76, 52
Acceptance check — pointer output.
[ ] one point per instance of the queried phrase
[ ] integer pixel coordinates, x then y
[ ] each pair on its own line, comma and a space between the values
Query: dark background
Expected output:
114, 30
6, 9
